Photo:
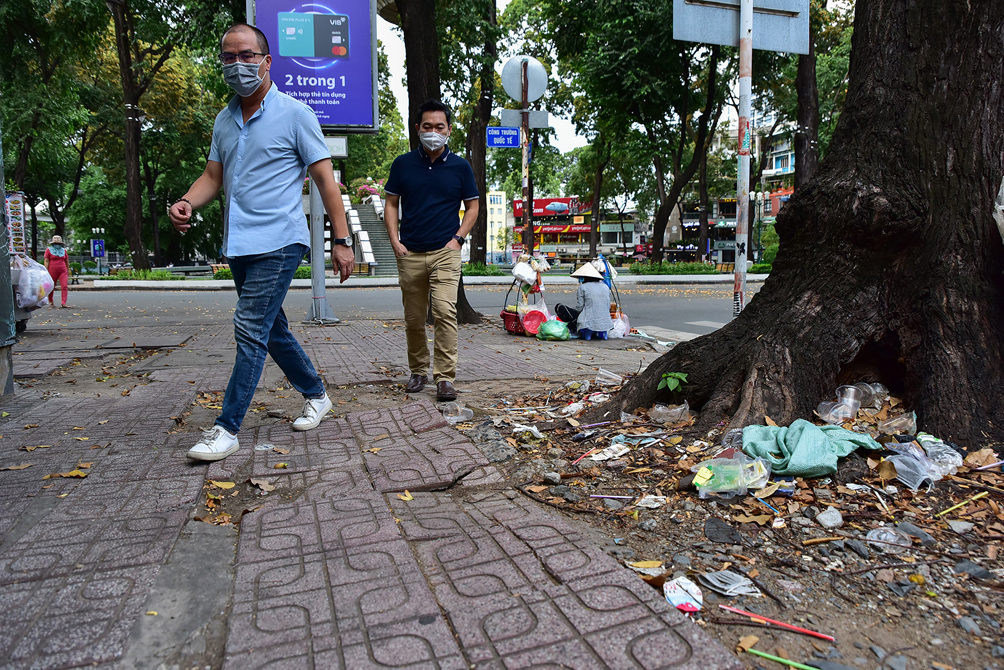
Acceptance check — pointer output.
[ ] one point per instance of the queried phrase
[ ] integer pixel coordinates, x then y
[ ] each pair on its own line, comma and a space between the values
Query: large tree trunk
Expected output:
807, 133
594, 211
151, 192
890, 266
702, 231
476, 144
421, 53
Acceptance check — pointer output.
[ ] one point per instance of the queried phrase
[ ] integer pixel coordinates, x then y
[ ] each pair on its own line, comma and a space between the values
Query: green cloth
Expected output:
803, 449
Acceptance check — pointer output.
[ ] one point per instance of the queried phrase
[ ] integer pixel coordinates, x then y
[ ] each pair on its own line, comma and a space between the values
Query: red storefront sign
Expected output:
571, 228
551, 207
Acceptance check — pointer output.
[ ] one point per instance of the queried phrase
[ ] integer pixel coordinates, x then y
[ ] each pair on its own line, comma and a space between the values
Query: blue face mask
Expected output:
242, 77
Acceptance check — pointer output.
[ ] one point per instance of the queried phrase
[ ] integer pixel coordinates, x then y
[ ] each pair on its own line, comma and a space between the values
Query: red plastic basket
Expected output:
513, 326
532, 320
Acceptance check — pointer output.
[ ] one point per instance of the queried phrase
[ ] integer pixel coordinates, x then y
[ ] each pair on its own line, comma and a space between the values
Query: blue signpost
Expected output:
501, 137
98, 252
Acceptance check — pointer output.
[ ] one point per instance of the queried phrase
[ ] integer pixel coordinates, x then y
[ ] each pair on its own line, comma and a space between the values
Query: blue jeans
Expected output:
260, 327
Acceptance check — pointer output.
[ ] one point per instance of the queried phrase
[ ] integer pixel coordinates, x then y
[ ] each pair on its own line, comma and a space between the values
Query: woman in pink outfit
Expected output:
55, 263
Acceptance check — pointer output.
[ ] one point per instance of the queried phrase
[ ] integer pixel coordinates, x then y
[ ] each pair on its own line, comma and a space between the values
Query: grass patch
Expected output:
482, 270
145, 275
665, 268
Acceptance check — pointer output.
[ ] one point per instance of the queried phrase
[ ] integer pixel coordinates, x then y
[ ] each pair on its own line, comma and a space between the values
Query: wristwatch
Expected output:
460, 240
344, 241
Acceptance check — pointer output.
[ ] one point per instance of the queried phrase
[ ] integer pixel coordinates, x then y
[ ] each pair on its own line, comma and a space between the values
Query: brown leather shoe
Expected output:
445, 391
415, 384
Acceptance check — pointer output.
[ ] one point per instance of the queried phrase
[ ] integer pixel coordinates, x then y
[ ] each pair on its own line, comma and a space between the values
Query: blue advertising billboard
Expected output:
324, 54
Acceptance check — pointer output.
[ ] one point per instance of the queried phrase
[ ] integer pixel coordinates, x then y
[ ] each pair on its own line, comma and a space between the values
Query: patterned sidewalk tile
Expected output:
58, 546
416, 416
336, 484
83, 620
362, 519
330, 445
278, 531
477, 362
429, 461
226, 468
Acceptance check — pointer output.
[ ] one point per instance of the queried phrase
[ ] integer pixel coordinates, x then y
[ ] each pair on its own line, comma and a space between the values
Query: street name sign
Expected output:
502, 137
778, 25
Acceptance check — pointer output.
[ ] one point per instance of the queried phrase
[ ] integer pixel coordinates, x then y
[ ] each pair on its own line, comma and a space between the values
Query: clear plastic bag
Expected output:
888, 540
947, 460
914, 472
729, 477
34, 285
622, 327
523, 272
607, 378
670, 413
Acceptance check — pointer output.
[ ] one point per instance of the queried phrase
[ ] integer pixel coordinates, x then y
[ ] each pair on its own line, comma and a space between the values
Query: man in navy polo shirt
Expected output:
263, 144
424, 192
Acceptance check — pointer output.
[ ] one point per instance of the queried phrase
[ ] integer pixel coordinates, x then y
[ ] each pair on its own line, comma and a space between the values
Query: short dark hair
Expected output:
259, 36
433, 106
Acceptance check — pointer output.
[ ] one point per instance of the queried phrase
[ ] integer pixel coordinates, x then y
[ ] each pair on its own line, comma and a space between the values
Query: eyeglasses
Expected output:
245, 56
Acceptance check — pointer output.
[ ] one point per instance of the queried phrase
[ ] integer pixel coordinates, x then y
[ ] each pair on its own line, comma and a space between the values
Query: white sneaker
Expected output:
313, 411
215, 445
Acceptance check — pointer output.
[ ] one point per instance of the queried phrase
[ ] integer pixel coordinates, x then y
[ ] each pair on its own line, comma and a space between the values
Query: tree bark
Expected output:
910, 292
421, 52
594, 213
476, 145
702, 231
807, 133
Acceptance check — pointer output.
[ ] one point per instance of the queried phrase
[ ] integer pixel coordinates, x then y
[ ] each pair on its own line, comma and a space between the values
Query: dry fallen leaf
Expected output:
101, 423
872, 463
263, 484
676, 439
767, 491
79, 474
760, 519
572, 422
40, 446
222, 485
84, 466
769, 421
537, 489
980, 458
30, 425
647, 564
373, 450
152, 613
17, 467
81, 439
746, 642
406, 495
280, 450
632, 471
887, 471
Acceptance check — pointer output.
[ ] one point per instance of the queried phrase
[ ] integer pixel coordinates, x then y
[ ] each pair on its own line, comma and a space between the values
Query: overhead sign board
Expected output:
549, 207
98, 248
514, 117
502, 137
512, 78
778, 25
324, 55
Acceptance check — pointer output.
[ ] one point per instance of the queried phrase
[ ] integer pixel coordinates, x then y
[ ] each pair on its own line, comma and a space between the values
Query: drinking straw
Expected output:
778, 659
992, 465
779, 623
963, 503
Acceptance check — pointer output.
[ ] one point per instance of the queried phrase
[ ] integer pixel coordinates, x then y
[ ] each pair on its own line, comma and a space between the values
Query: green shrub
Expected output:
146, 275
769, 254
665, 268
75, 266
482, 270
223, 273
760, 268
302, 272
90, 265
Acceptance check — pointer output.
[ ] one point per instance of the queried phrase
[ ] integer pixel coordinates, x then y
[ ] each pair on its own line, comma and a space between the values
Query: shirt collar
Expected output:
235, 105
442, 156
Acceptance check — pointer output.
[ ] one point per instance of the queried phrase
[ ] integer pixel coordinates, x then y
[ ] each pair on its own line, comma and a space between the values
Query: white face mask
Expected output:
242, 77
432, 142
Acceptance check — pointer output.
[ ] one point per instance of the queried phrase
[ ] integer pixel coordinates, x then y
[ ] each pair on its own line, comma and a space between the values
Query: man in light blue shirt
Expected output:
263, 145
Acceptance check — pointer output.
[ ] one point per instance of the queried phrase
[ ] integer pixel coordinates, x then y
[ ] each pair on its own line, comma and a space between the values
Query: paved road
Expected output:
685, 310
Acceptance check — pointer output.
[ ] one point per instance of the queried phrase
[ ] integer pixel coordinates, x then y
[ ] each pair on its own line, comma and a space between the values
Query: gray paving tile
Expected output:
416, 416
425, 642
430, 461
83, 620
277, 531
338, 483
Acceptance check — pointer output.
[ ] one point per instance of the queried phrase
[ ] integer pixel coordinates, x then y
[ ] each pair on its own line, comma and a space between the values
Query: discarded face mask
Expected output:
613, 451
651, 502
684, 595
728, 583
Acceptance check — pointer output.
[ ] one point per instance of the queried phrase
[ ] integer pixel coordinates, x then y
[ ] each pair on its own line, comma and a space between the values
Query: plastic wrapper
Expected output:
684, 595
553, 330
34, 285
904, 424
607, 378
947, 460
672, 414
888, 540
523, 272
622, 327
729, 477
733, 439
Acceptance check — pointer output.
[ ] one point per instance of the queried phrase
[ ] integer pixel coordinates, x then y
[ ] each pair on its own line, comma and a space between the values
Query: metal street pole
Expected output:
320, 310
742, 185
524, 142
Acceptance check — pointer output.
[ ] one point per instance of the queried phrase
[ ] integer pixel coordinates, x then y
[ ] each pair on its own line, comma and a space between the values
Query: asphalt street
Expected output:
683, 309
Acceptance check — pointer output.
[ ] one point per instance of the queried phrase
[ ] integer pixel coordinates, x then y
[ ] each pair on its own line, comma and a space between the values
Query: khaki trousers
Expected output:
435, 273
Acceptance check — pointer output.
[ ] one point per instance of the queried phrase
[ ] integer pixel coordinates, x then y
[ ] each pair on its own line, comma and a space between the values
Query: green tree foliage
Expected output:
505, 169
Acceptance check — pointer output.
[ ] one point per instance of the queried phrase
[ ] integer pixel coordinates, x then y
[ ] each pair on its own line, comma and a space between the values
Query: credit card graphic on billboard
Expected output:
313, 35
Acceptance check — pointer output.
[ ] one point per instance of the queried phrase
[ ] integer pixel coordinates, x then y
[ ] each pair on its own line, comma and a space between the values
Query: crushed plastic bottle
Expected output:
888, 540
942, 456
729, 477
